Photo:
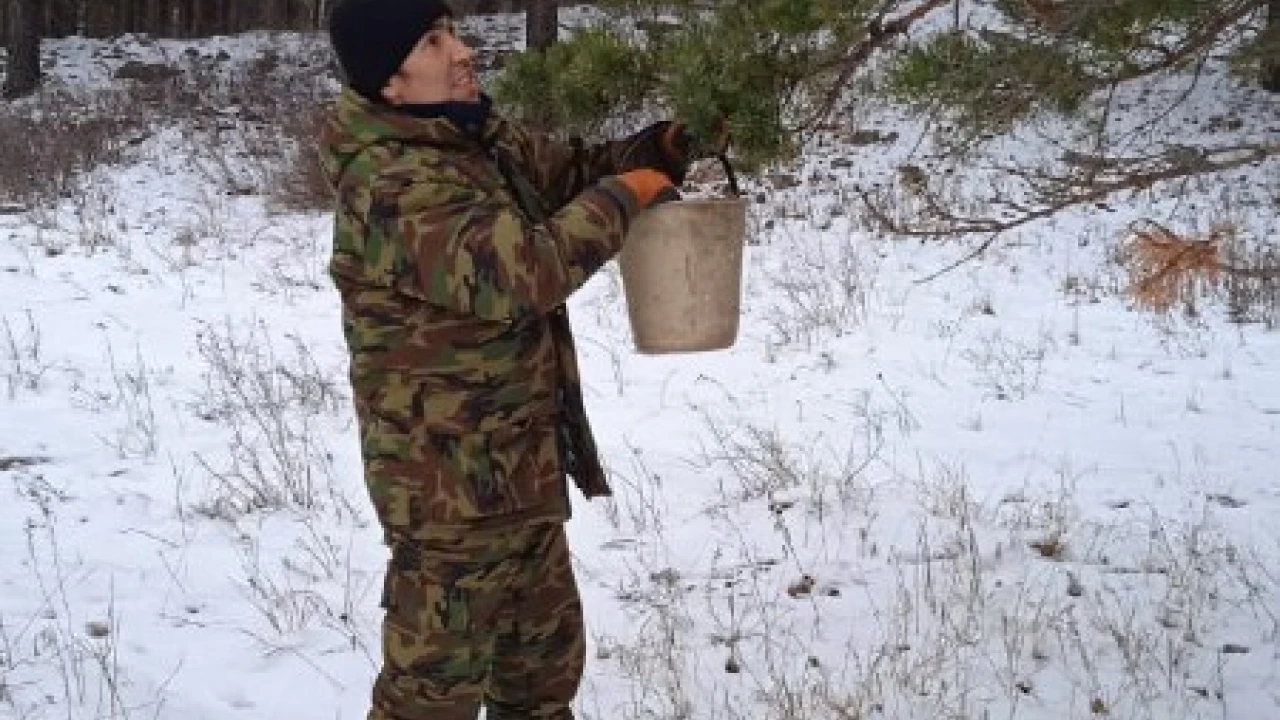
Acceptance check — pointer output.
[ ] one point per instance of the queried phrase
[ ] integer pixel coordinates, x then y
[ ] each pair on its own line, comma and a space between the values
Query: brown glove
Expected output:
670, 147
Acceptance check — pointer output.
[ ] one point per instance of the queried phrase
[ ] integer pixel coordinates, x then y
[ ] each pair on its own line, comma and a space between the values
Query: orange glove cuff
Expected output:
645, 184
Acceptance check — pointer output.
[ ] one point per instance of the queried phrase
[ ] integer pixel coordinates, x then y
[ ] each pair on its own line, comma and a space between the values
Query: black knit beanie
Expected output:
373, 37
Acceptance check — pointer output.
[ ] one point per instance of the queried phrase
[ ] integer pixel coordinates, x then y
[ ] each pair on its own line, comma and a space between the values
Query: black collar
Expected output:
469, 117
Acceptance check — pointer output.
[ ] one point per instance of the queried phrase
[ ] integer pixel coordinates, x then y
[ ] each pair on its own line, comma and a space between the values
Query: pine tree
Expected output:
755, 63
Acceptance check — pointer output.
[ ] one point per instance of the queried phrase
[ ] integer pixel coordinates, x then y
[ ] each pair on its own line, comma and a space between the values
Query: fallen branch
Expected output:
1168, 269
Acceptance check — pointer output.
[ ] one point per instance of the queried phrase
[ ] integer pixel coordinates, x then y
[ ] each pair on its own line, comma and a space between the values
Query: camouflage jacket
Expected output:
463, 368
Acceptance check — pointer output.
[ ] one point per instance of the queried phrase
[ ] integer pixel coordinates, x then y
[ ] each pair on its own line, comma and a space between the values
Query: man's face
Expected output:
440, 68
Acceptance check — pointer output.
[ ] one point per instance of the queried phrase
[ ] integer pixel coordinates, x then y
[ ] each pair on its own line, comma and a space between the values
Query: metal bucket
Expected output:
682, 275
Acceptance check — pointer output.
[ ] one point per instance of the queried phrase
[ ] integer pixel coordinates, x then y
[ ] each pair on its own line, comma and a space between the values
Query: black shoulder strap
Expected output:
525, 193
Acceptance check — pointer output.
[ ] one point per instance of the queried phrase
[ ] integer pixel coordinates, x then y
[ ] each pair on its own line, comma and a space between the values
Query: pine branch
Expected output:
879, 35
1200, 40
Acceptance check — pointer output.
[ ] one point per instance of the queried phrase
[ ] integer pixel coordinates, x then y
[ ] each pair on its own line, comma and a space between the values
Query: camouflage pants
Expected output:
492, 618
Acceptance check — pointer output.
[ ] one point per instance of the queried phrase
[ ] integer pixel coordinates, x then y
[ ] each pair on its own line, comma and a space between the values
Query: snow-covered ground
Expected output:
997, 492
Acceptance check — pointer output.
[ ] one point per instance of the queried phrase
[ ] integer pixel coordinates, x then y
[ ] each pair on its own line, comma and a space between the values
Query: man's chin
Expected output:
467, 92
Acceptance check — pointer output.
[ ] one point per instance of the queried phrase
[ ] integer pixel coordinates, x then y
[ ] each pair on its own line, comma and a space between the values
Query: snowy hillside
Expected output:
996, 491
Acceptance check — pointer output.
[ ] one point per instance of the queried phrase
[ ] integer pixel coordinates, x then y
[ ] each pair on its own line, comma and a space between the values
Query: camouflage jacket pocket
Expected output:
457, 479
503, 471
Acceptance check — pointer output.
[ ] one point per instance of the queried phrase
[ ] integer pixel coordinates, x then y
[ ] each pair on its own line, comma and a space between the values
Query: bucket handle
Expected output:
730, 174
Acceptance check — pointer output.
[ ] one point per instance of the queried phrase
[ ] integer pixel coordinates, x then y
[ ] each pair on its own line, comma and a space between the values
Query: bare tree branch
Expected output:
1109, 176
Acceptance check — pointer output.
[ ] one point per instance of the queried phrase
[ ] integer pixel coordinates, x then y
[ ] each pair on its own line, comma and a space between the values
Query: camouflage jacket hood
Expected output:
454, 255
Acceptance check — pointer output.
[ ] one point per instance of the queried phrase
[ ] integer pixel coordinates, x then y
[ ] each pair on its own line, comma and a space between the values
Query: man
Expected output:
458, 238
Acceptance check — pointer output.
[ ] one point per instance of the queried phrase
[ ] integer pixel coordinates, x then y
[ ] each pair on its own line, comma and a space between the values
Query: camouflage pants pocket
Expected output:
492, 618
434, 661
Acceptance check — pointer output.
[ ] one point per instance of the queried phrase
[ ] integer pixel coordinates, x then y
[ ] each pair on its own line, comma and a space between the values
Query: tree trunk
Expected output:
1271, 65
100, 20
23, 45
542, 24
541, 29
60, 19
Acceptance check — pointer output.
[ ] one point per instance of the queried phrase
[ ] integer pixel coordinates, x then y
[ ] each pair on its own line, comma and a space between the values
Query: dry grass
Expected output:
48, 151
273, 406
254, 127
298, 182
1253, 290
919, 600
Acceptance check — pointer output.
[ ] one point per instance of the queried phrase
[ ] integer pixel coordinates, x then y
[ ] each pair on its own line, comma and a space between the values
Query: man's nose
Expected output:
462, 52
